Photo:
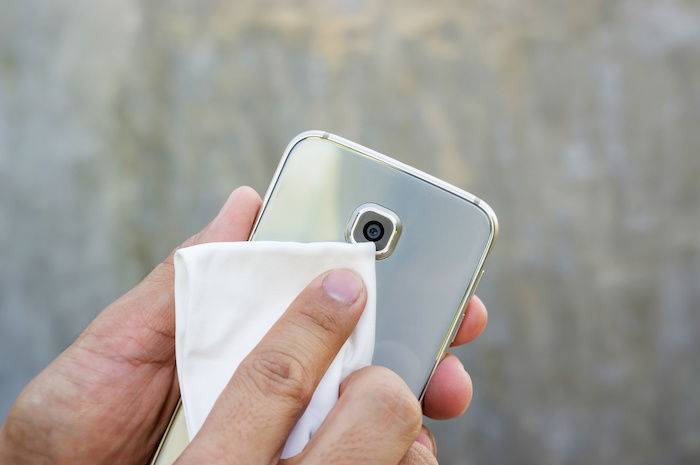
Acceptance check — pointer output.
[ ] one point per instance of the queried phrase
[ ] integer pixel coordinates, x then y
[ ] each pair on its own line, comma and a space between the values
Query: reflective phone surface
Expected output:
423, 285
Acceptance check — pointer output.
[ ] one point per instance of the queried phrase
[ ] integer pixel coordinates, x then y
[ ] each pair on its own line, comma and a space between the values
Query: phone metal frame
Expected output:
381, 158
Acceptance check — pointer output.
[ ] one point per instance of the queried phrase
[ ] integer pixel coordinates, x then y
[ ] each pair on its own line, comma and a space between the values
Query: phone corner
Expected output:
311, 133
491, 216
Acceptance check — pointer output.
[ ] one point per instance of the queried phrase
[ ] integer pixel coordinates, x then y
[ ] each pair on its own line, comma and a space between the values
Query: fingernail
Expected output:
425, 438
343, 285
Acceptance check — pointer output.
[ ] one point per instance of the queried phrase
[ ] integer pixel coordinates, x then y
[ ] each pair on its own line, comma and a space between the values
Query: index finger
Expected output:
271, 388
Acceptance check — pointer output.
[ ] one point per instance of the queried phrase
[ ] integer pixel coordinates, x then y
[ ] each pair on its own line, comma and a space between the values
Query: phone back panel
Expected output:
422, 285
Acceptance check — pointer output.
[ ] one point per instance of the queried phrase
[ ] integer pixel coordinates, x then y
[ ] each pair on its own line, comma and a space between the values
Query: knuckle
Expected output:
163, 274
280, 375
320, 318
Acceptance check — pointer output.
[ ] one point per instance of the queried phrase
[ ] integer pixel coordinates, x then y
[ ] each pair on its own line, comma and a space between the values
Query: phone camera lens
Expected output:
373, 231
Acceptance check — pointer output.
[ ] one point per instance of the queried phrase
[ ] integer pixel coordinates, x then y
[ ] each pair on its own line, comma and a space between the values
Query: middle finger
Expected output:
375, 421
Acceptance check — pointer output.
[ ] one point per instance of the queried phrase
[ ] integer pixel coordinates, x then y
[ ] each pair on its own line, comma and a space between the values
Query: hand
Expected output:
108, 397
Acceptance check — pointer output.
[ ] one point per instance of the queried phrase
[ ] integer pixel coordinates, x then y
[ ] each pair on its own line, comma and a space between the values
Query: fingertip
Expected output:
427, 439
480, 315
450, 390
343, 285
474, 322
245, 194
235, 219
243, 201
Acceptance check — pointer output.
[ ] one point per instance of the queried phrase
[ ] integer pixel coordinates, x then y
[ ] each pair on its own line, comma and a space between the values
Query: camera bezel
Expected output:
389, 221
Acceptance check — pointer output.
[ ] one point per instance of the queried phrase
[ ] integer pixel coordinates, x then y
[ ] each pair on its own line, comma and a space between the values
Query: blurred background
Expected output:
124, 124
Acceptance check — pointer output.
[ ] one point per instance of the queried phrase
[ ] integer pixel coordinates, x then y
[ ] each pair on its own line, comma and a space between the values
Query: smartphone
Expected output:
432, 240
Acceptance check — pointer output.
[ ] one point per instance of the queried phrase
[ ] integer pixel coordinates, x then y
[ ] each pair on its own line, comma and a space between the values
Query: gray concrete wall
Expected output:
125, 123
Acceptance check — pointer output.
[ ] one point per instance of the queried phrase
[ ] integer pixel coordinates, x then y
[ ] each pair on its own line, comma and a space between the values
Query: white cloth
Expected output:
227, 296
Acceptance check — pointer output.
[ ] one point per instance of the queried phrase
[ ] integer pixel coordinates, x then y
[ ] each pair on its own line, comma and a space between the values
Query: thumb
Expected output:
146, 314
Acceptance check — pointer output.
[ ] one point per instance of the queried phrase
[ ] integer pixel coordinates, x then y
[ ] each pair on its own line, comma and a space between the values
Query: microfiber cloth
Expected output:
229, 294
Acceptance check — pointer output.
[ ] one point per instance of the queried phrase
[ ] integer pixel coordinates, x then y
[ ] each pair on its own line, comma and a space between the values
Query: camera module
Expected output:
376, 224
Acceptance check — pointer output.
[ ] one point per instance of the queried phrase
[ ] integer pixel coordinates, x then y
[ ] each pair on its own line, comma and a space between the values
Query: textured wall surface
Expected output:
125, 123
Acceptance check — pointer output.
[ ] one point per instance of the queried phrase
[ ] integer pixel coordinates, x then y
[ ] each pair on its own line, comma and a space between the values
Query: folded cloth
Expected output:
227, 296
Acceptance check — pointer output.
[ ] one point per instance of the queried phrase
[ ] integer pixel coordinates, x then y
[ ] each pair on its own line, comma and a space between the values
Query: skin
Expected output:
108, 397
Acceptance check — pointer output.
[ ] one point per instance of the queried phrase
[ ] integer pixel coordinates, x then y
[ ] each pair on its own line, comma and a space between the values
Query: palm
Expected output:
107, 397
